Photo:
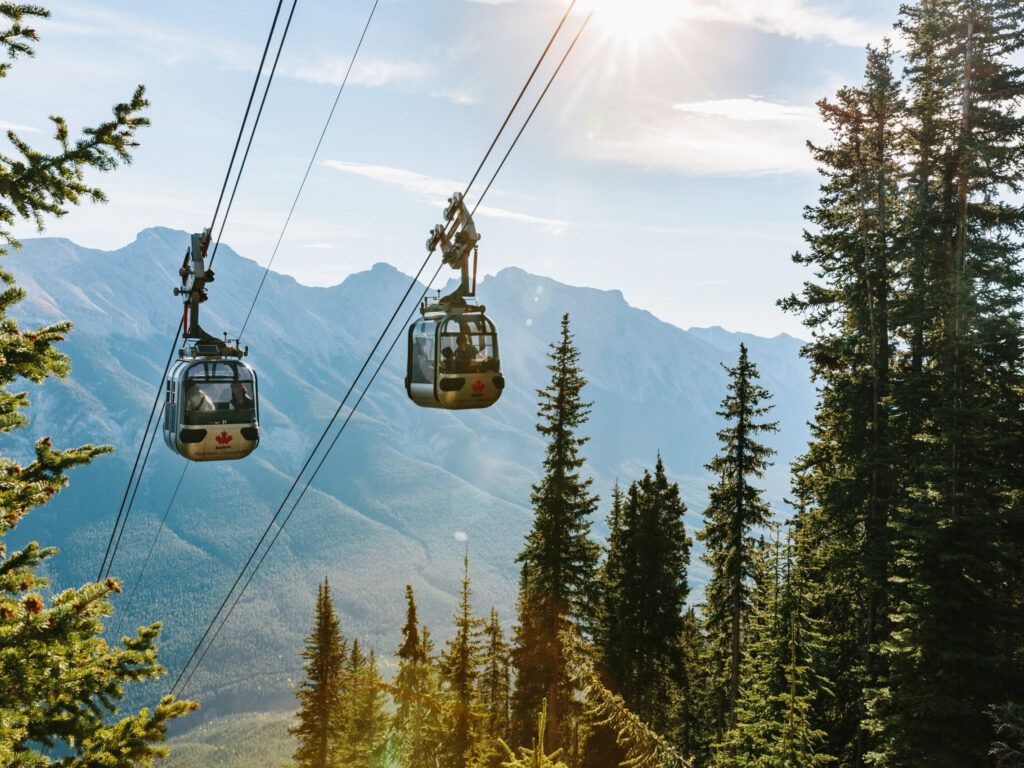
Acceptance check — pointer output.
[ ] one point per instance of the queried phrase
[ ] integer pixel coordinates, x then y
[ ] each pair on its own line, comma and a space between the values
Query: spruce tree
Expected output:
460, 671
774, 717
644, 597
361, 722
415, 724
734, 510
861, 231
322, 692
559, 561
948, 657
61, 680
494, 686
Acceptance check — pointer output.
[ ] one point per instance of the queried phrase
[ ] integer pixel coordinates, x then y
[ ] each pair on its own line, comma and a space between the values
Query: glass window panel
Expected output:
423, 353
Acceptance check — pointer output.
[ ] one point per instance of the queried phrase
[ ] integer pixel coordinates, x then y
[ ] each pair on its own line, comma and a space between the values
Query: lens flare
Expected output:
635, 19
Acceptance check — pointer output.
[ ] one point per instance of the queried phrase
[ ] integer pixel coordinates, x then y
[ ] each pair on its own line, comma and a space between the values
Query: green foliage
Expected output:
559, 560
1008, 748
460, 671
643, 599
774, 713
494, 688
734, 510
535, 756
15, 40
416, 724
320, 693
35, 184
642, 746
62, 681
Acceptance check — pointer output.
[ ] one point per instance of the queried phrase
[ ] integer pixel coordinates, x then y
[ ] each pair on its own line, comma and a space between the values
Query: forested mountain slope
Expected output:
401, 482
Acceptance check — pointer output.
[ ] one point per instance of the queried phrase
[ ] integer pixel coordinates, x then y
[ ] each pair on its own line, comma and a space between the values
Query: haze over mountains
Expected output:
401, 483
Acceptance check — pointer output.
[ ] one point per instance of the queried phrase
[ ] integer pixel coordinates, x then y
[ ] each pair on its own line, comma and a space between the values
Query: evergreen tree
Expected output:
559, 561
415, 723
734, 509
644, 596
361, 723
495, 686
460, 671
774, 719
861, 230
948, 656
61, 680
322, 692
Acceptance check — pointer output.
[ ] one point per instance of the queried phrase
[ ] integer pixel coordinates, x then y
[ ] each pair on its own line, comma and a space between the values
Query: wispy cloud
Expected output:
370, 72
15, 127
433, 188
747, 109
734, 137
322, 246
822, 20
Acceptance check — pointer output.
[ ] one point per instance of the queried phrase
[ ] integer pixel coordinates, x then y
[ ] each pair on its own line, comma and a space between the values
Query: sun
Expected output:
635, 19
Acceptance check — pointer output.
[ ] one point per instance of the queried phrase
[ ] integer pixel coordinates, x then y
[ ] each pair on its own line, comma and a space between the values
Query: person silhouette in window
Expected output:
465, 352
240, 397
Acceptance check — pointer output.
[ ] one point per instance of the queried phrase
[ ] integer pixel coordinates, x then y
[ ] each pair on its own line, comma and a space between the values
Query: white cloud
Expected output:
435, 189
370, 72
798, 19
318, 245
747, 109
733, 137
15, 127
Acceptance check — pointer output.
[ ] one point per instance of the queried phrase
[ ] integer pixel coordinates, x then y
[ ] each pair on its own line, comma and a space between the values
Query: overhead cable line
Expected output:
183, 678
119, 524
312, 159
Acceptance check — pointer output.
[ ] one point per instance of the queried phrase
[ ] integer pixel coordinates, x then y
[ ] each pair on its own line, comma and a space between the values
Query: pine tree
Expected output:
61, 680
460, 671
559, 561
948, 656
494, 687
735, 508
774, 718
361, 723
860, 233
415, 724
322, 692
644, 596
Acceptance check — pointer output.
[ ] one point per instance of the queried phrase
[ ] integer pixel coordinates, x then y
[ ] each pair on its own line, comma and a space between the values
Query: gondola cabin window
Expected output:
468, 345
221, 392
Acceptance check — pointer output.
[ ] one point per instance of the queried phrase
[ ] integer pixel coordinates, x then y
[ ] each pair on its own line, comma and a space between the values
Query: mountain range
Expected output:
405, 491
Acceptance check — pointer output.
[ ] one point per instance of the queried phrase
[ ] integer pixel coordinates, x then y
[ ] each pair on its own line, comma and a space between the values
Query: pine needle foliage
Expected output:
735, 509
35, 184
320, 694
643, 747
559, 560
62, 682
415, 726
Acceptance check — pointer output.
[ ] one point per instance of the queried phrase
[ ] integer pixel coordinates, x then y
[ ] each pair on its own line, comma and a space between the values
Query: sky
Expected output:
667, 160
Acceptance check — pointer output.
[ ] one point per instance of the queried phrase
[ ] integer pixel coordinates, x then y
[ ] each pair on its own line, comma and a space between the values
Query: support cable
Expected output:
183, 679
119, 524
312, 159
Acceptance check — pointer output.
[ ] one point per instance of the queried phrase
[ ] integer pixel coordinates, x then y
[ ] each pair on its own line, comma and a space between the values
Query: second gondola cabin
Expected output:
453, 361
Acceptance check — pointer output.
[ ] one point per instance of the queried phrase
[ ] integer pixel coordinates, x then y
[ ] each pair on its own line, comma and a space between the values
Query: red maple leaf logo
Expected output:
478, 386
223, 438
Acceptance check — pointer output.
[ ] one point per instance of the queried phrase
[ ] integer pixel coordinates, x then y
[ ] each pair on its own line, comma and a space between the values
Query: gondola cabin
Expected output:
454, 362
211, 409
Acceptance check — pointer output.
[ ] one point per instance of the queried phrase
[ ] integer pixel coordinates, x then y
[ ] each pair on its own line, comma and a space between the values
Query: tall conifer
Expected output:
644, 597
734, 510
460, 671
320, 694
415, 722
559, 561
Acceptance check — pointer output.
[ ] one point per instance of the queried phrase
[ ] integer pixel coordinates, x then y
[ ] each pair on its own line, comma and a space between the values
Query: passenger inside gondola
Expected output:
196, 401
423, 370
219, 393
